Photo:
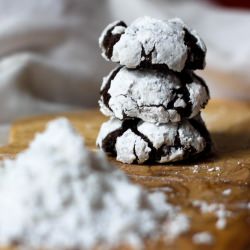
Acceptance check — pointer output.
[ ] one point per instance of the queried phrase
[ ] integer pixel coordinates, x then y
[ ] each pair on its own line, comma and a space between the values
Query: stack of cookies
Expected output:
153, 98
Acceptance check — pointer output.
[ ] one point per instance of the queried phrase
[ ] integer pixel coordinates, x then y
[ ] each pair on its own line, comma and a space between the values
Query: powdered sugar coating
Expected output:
198, 96
118, 30
166, 134
162, 42
107, 128
137, 141
151, 95
131, 147
159, 135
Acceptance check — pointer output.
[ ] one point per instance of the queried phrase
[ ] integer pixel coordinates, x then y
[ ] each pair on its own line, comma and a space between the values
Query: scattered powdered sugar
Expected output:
227, 192
57, 194
203, 238
217, 208
213, 169
195, 169
174, 226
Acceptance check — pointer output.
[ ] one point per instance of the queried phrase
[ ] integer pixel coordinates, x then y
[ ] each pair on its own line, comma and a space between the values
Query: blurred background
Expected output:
50, 60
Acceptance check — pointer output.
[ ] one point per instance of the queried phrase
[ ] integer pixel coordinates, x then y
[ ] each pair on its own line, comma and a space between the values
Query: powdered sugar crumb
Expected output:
217, 208
227, 192
195, 169
203, 238
214, 169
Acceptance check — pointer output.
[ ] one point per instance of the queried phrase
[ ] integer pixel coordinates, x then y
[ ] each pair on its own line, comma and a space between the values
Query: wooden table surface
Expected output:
229, 124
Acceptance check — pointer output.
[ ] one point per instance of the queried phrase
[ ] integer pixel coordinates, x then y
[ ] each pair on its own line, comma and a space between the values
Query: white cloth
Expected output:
50, 60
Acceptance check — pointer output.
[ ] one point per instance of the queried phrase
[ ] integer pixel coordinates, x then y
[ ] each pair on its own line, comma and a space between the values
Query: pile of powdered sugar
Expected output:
57, 194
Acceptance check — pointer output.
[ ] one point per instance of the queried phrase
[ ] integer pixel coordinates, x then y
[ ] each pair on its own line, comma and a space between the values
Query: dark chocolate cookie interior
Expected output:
110, 40
196, 56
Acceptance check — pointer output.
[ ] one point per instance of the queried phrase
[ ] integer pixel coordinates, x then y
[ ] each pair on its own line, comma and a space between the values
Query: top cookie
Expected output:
150, 42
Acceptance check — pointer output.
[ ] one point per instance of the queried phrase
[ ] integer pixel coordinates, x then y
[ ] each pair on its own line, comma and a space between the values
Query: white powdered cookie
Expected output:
152, 95
148, 41
135, 141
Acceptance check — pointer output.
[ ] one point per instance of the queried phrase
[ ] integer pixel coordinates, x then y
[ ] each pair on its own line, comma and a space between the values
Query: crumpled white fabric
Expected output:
50, 60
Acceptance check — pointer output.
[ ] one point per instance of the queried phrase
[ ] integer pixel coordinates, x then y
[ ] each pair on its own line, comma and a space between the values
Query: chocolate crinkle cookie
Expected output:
150, 42
135, 141
152, 95
154, 98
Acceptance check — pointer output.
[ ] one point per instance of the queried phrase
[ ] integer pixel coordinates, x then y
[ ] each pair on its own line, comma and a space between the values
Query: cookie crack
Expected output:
152, 152
136, 156
170, 105
144, 105
185, 78
165, 150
